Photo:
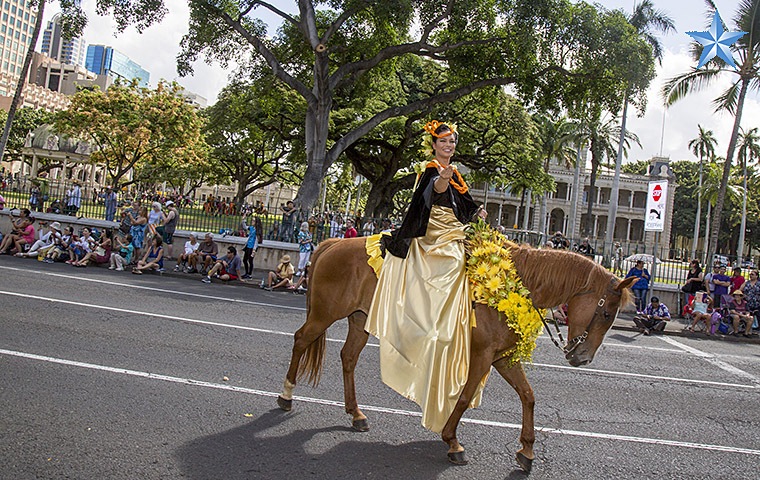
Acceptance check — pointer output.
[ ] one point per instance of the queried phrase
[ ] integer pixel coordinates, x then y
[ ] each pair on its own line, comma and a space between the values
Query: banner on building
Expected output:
657, 198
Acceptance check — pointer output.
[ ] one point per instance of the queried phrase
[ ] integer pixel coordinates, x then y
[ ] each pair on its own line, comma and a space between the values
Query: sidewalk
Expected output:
677, 327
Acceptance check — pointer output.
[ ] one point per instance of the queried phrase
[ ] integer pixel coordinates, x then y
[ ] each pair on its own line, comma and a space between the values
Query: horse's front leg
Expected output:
349, 355
515, 376
480, 362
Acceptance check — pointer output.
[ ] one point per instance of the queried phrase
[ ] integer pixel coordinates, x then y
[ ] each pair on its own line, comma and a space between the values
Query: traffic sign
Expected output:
657, 198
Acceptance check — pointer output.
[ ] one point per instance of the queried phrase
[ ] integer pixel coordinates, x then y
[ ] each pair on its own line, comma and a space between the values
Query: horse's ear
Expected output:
626, 283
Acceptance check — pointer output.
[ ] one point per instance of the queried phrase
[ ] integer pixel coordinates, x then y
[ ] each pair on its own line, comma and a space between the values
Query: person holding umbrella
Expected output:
641, 287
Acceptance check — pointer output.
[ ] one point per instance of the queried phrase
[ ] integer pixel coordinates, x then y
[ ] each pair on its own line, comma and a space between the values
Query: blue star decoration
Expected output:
716, 42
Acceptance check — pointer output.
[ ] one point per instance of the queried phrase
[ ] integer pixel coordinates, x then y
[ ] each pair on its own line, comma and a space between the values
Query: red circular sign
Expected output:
657, 193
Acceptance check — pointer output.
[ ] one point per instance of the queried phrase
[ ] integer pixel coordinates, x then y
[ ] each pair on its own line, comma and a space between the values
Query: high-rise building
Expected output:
104, 60
16, 27
69, 51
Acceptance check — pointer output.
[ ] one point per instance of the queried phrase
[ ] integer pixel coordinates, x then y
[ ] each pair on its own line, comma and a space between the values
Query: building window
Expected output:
7, 5
5, 17
23, 38
13, 9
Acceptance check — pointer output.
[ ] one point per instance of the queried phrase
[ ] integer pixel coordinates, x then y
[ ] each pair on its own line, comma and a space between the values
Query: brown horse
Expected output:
342, 285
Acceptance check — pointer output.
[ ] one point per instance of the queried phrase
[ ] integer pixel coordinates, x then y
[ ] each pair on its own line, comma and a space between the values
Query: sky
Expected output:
157, 47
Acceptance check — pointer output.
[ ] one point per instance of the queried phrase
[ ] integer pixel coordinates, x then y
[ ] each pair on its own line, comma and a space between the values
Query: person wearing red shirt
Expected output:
737, 280
350, 230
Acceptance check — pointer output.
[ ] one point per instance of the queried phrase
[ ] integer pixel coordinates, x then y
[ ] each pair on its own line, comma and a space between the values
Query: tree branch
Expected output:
271, 8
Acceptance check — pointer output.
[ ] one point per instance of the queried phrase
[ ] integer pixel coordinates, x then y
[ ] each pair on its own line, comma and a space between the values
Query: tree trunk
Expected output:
718, 211
22, 78
614, 193
542, 212
743, 227
572, 233
698, 216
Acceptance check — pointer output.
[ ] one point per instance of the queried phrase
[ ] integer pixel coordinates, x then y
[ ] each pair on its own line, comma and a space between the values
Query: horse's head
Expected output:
590, 315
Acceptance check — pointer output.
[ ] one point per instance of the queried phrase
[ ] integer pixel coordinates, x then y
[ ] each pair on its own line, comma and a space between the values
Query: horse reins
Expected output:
575, 342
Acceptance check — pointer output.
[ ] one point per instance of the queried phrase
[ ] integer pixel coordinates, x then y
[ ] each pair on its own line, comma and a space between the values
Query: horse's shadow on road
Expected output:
251, 451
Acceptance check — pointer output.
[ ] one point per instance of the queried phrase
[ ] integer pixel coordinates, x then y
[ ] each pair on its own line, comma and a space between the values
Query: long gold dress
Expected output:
421, 313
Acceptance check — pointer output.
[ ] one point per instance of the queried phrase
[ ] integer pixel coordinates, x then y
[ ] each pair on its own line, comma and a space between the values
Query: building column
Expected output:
596, 225
628, 232
63, 169
501, 205
630, 199
35, 164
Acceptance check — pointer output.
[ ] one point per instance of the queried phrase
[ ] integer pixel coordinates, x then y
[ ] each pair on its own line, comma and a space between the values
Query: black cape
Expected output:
417, 216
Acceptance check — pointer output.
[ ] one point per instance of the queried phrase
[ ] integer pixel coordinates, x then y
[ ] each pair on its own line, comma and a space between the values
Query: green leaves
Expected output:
136, 128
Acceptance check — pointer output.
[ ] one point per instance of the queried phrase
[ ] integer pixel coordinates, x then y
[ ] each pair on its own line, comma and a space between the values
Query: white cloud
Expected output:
682, 118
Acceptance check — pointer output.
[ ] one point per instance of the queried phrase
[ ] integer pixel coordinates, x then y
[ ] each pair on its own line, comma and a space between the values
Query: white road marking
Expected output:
647, 376
712, 359
372, 408
335, 340
153, 289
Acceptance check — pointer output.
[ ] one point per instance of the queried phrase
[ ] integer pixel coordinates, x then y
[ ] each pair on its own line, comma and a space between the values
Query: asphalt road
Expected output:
107, 375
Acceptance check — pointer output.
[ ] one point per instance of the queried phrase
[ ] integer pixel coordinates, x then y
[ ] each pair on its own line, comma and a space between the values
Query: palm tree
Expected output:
702, 146
746, 77
556, 138
749, 150
710, 190
646, 20
602, 137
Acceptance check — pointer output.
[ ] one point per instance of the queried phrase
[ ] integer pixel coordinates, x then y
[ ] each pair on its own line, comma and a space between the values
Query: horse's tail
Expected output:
312, 360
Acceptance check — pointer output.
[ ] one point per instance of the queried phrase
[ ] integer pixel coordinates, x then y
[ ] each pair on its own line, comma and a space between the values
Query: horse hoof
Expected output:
361, 425
286, 405
457, 458
525, 463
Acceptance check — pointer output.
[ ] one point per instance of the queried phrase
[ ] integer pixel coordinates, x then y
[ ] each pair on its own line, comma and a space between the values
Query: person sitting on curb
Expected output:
282, 277
122, 255
739, 313
201, 260
653, 317
191, 246
153, 258
227, 268
303, 281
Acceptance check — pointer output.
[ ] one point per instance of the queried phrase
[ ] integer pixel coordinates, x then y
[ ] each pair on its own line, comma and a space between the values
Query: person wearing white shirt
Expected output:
190, 247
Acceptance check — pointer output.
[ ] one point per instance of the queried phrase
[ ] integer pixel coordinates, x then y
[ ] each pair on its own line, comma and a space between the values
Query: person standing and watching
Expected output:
737, 280
249, 251
640, 288
109, 199
74, 199
350, 230
653, 318
304, 248
288, 217
617, 254
751, 290
560, 242
722, 283
170, 226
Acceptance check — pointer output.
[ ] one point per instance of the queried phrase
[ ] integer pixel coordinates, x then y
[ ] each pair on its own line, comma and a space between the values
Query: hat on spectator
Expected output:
285, 259
169, 202
738, 292
655, 299
56, 225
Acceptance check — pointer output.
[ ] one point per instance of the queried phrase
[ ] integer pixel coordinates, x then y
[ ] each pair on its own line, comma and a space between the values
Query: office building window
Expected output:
5, 17
7, 6
13, 9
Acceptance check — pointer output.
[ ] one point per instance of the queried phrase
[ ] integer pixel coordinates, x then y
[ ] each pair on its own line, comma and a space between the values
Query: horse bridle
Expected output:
575, 342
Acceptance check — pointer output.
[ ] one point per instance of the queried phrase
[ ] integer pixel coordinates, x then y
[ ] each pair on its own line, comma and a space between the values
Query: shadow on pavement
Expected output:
250, 452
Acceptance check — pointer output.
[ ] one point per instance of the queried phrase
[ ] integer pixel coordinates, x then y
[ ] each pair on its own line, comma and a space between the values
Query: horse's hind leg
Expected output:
349, 355
479, 364
304, 337
515, 376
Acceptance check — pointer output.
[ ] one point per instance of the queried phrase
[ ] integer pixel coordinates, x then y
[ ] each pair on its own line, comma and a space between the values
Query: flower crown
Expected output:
431, 127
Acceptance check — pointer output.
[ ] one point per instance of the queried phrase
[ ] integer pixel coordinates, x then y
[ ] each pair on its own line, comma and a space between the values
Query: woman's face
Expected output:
85, 232
445, 147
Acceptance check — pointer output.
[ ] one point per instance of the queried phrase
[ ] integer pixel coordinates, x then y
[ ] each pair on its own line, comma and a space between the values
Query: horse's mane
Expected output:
561, 274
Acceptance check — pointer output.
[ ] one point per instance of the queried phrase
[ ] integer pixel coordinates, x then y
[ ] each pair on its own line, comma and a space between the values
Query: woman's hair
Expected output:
443, 128
156, 205
158, 240
304, 225
128, 238
143, 211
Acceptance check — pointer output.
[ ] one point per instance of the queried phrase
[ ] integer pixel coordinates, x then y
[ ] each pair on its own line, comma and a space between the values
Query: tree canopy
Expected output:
135, 128
552, 53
